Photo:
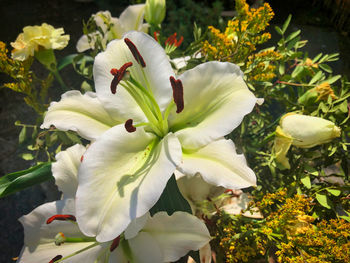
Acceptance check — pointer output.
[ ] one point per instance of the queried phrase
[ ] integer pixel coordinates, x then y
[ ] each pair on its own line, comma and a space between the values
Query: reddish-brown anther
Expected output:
82, 158
173, 41
135, 52
128, 126
178, 93
118, 76
58, 257
114, 244
61, 218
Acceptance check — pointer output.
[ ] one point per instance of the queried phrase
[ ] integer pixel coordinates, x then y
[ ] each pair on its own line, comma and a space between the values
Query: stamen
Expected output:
61, 218
128, 126
58, 257
135, 52
81, 158
118, 75
172, 41
114, 244
178, 93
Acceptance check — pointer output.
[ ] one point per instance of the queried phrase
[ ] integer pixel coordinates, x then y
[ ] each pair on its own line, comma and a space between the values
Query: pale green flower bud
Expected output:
307, 131
155, 12
302, 131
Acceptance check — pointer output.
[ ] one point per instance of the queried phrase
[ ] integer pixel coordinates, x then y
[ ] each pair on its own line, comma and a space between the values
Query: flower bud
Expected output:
155, 12
302, 131
320, 92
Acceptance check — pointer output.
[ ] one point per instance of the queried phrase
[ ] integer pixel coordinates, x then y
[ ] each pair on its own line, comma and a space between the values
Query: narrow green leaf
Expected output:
297, 71
281, 68
326, 68
293, 35
66, 61
171, 200
335, 192
344, 107
20, 180
22, 135
286, 23
279, 30
323, 200
316, 78
317, 58
305, 179
333, 79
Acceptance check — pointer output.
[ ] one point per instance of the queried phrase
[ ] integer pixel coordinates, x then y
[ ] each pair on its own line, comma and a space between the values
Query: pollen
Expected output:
61, 218
135, 52
128, 126
178, 93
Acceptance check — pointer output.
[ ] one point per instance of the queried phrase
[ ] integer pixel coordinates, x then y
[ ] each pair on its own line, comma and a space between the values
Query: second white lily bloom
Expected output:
145, 123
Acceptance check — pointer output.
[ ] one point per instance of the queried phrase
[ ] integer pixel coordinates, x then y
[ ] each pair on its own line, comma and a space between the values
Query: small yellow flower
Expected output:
33, 37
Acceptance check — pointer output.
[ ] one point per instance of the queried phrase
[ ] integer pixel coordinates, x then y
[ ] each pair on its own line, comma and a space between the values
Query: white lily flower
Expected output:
51, 235
114, 28
179, 124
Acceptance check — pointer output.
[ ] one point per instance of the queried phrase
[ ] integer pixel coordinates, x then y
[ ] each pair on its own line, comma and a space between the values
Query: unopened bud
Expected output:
155, 12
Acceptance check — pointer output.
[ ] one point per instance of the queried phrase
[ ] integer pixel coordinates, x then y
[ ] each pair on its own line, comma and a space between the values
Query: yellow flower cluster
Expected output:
288, 227
241, 35
34, 37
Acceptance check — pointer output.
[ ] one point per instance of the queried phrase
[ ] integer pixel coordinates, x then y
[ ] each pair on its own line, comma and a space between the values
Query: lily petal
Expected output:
121, 177
177, 234
135, 226
145, 249
220, 165
65, 170
36, 231
155, 77
216, 99
81, 113
132, 17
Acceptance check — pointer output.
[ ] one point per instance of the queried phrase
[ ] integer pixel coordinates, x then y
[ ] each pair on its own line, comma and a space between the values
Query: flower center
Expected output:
143, 95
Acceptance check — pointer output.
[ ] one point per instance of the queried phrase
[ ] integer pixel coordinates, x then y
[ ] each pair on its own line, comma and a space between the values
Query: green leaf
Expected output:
286, 23
316, 78
279, 30
333, 79
323, 200
66, 61
297, 71
20, 180
293, 35
335, 192
326, 68
22, 135
344, 107
171, 200
281, 68
305, 179
27, 156
317, 58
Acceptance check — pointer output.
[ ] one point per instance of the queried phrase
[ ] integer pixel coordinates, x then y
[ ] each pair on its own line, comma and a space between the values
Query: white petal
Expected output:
65, 170
36, 231
216, 99
205, 254
135, 226
219, 164
157, 72
46, 252
83, 44
132, 17
177, 234
145, 249
84, 114
121, 178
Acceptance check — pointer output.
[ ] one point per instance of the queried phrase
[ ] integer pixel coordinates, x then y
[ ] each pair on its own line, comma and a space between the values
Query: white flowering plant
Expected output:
165, 146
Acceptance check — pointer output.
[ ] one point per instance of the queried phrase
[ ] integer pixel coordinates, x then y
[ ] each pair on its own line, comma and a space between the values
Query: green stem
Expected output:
59, 79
